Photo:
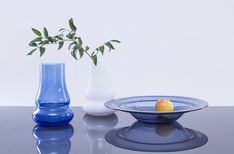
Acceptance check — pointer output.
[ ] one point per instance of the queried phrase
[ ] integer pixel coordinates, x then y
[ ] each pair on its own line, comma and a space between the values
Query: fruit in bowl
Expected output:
164, 105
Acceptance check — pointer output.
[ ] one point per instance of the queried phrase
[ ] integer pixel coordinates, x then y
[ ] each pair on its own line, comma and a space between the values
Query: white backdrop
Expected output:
168, 47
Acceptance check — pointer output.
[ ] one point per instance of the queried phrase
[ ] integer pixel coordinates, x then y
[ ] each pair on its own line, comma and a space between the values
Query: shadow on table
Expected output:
53, 139
156, 137
96, 129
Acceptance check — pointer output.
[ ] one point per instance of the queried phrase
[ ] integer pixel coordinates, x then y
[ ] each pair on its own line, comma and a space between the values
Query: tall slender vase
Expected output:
99, 91
52, 100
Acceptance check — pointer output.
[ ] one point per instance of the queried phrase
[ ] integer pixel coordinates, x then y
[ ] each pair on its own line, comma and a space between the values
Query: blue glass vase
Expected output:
52, 99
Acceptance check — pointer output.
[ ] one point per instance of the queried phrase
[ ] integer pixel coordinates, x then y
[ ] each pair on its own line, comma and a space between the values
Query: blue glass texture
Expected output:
143, 107
52, 99
147, 137
53, 139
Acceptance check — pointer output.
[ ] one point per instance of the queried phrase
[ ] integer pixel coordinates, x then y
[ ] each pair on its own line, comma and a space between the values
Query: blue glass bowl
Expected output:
143, 107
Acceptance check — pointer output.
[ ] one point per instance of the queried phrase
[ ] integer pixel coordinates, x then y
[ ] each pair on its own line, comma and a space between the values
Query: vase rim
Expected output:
52, 64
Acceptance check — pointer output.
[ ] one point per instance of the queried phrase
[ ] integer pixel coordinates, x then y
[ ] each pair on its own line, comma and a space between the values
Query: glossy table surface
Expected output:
87, 135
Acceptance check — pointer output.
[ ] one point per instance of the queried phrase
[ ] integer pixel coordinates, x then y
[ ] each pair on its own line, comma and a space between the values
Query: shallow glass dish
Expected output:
143, 107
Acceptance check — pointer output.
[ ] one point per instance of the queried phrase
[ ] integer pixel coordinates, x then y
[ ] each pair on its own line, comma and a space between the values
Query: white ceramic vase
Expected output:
99, 91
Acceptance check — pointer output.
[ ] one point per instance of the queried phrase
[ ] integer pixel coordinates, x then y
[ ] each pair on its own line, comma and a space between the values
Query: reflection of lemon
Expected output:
163, 130
164, 105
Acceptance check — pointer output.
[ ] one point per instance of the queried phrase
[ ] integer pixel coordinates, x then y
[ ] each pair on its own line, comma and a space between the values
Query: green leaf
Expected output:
94, 58
31, 52
58, 37
101, 49
81, 52
45, 32
71, 24
70, 45
117, 41
37, 32
86, 48
54, 40
73, 53
62, 29
42, 51
108, 44
45, 42
51, 39
71, 35
79, 40
60, 45
33, 44
38, 39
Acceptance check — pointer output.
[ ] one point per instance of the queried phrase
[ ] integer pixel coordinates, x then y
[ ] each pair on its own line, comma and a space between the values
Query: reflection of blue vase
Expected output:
52, 98
53, 139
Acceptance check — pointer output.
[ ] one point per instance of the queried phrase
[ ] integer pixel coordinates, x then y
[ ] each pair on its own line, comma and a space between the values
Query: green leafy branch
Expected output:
64, 35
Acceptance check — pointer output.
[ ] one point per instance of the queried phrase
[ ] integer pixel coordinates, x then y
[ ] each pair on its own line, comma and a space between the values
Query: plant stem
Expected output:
88, 54
68, 40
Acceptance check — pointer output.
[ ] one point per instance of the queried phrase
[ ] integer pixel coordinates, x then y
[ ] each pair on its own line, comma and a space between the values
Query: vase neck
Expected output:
100, 86
52, 86
52, 73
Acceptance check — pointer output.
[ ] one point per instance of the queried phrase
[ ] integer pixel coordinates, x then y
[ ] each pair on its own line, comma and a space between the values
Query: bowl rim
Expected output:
109, 104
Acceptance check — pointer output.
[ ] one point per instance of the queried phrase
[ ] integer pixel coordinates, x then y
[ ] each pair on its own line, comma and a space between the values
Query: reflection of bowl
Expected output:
156, 138
156, 134
164, 129
143, 107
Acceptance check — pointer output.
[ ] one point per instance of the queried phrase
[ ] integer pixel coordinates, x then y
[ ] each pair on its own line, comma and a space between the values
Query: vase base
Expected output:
53, 117
97, 109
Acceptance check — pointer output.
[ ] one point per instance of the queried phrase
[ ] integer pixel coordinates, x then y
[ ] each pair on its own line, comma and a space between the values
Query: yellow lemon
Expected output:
164, 105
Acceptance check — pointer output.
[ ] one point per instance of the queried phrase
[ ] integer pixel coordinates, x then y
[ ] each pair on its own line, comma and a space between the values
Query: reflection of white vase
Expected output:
96, 129
99, 91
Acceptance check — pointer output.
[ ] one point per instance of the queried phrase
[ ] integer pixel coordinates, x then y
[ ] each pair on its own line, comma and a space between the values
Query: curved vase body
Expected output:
99, 91
52, 99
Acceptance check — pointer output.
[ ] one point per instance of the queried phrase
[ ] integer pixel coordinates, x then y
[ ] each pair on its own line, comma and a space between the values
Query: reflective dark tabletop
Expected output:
207, 131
